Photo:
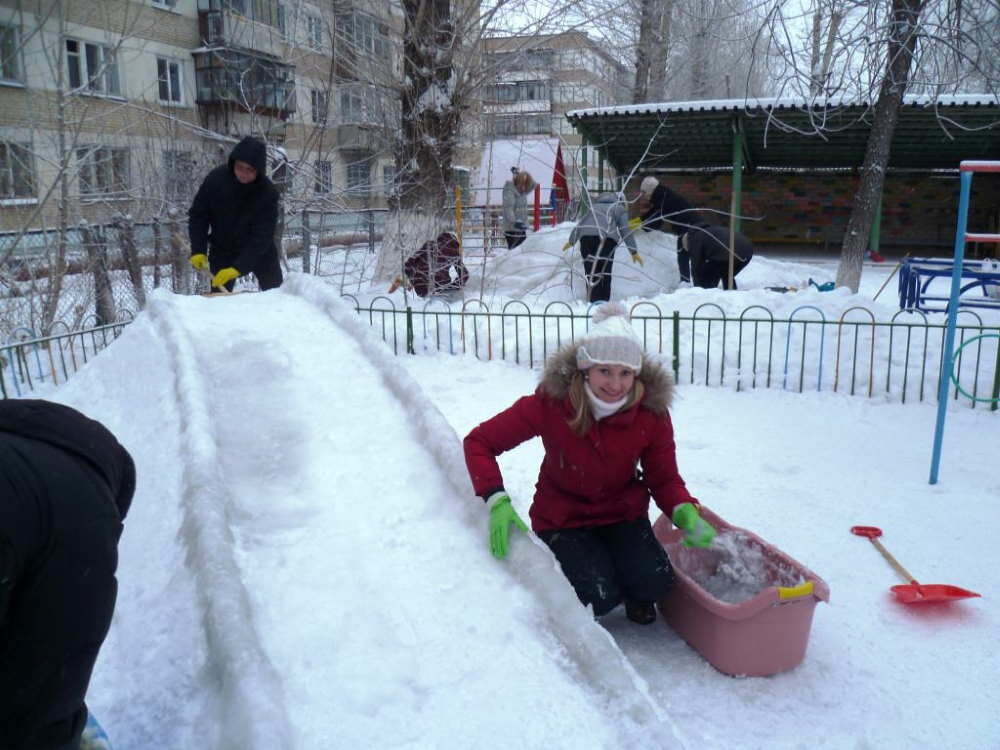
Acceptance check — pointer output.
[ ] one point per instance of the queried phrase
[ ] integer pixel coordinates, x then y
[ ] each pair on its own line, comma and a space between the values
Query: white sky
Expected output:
305, 566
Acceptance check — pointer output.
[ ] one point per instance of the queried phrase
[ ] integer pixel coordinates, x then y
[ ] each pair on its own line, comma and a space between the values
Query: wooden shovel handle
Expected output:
892, 561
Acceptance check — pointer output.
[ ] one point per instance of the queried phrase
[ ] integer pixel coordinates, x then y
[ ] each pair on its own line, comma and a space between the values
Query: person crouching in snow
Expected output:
429, 269
601, 411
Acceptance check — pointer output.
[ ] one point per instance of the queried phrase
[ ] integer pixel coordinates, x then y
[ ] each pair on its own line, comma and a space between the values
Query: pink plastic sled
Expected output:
762, 635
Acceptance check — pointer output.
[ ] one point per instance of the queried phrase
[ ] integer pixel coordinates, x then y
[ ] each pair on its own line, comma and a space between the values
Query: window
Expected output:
315, 28
168, 76
164, 3
17, 171
324, 177
359, 175
93, 65
10, 54
389, 186
365, 33
320, 102
103, 171
461, 176
357, 105
178, 175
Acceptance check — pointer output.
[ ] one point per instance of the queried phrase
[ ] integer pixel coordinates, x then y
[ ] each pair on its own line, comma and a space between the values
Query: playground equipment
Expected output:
966, 170
917, 274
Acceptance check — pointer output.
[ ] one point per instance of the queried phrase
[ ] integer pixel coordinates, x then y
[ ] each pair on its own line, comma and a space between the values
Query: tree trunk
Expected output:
902, 41
430, 122
180, 269
97, 252
657, 90
643, 52
130, 256
157, 252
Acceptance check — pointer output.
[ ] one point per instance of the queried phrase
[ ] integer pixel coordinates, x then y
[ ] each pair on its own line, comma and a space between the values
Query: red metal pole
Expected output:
538, 207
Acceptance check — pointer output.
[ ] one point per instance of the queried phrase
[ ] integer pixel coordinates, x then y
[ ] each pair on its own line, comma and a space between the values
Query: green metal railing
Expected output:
899, 360
27, 363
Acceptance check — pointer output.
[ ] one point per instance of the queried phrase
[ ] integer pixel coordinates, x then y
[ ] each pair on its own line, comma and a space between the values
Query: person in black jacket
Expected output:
702, 249
232, 220
65, 487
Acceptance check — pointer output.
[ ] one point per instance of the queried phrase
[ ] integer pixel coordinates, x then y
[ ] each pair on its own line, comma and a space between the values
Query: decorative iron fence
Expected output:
26, 363
854, 354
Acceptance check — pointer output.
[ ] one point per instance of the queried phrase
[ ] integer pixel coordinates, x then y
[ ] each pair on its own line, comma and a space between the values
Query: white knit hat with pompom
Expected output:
611, 340
648, 185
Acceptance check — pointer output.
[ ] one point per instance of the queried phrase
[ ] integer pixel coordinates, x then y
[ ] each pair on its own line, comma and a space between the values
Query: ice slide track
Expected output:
251, 713
587, 646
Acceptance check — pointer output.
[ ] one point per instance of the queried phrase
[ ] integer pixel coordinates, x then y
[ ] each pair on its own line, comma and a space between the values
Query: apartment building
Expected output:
535, 81
111, 107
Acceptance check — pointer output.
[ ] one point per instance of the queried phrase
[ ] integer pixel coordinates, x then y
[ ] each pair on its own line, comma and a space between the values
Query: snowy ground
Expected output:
305, 565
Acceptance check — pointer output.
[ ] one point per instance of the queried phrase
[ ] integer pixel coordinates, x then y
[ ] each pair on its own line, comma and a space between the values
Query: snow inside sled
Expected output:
742, 603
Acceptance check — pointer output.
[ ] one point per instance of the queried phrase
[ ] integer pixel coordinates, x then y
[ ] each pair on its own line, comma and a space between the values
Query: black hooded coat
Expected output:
65, 487
233, 223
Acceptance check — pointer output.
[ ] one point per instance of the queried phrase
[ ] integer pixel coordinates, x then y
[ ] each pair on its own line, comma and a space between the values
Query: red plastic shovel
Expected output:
912, 592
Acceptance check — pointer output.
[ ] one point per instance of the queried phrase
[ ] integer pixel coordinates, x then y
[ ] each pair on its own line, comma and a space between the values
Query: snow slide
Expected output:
305, 565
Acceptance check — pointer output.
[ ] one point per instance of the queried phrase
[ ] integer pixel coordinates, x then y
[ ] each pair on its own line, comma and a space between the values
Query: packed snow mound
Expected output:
314, 569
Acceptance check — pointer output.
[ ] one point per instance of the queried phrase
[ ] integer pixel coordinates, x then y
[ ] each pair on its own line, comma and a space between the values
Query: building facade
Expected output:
122, 106
535, 80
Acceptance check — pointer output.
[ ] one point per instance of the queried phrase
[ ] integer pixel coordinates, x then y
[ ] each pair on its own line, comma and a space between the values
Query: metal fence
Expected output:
854, 354
27, 363
899, 360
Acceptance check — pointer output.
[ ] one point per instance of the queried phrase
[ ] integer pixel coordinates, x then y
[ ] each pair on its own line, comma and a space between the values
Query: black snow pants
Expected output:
598, 260
59, 531
607, 564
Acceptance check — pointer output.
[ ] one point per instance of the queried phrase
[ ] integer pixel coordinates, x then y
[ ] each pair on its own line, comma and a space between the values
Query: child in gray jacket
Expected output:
603, 225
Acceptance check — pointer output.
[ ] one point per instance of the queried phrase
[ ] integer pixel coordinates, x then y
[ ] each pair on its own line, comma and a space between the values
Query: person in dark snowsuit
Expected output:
708, 248
700, 246
65, 487
232, 220
601, 411
429, 269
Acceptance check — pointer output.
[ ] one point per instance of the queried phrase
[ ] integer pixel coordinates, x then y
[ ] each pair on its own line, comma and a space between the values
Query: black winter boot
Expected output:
641, 613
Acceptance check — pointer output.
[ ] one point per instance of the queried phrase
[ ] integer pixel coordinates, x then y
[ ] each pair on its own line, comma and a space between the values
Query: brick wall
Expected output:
918, 210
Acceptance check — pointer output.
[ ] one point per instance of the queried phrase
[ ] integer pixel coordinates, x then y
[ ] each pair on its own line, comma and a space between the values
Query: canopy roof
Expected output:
932, 133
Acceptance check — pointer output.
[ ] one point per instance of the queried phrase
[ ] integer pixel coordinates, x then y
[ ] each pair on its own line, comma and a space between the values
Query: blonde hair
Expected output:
523, 181
583, 415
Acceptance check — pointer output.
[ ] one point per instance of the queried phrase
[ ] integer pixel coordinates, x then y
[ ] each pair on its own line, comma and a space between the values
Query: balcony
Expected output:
244, 79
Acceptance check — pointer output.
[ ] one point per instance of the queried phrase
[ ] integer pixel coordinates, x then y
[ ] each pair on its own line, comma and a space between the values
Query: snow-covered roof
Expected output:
787, 102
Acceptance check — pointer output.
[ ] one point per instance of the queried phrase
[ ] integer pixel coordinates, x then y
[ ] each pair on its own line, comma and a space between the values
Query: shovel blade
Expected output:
919, 593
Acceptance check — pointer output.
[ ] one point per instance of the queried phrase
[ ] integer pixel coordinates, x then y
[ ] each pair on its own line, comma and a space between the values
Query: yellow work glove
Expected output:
224, 276
567, 246
199, 261
636, 258
634, 223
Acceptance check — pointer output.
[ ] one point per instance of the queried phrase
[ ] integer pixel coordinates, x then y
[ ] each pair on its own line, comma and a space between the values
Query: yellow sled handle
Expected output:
791, 592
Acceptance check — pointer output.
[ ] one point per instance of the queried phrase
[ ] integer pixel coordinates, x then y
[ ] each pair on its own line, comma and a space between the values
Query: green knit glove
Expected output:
697, 531
502, 515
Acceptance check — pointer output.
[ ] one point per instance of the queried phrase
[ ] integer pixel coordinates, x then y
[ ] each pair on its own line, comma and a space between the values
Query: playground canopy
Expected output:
932, 133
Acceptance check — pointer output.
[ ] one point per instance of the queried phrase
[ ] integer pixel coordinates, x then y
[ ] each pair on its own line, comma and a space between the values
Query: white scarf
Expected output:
601, 408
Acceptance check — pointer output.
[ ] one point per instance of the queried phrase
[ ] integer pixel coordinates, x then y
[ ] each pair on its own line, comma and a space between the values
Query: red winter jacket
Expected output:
590, 480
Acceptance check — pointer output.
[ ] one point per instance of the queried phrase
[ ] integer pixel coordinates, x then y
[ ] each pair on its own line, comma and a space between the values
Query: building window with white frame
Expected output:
11, 70
314, 26
389, 186
324, 177
17, 171
168, 80
320, 105
92, 65
359, 178
104, 171
168, 4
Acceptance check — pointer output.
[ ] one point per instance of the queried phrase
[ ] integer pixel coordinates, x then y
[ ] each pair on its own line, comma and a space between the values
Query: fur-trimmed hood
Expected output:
655, 378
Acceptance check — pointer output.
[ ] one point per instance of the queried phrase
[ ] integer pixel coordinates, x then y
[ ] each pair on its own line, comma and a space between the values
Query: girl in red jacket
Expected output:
601, 411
